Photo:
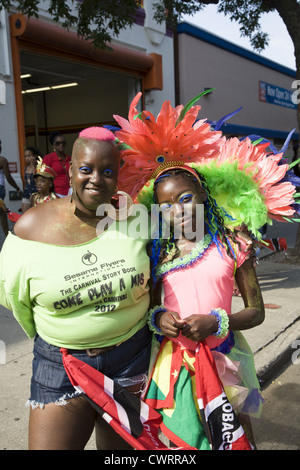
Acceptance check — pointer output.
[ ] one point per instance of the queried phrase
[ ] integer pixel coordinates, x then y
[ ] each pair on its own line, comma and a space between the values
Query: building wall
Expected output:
206, 61
7, 102
8, 119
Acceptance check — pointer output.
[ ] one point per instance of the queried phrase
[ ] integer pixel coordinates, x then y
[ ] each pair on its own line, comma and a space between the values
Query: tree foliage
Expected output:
101, 20
98, 20
248, 15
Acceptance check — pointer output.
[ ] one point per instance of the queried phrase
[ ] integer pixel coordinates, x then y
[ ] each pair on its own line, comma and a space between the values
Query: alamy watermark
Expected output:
296, 353
2, 352
186, 220
296, 94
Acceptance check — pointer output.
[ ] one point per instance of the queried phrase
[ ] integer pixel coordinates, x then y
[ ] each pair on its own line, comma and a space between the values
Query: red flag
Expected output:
13, 216
220, 423
275, 244
131, 418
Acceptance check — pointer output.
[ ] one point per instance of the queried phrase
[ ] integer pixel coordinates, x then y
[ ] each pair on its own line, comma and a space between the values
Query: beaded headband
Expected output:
163, 168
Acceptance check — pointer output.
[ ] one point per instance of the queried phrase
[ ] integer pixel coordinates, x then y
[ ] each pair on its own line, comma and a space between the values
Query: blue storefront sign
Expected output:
276, 95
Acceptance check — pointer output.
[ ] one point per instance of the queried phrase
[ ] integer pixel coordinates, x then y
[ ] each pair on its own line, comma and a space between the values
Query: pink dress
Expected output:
195, 284
199, 282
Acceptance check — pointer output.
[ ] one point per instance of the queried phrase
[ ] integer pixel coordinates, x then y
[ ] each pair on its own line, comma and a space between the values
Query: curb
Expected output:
280, 350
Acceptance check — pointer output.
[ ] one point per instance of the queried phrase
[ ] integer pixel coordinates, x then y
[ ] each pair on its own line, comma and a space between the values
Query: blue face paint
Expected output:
165, 207
108, 172
186, 198
85, 169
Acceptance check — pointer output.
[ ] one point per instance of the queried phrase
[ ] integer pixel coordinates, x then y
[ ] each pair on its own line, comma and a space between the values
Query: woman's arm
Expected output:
8, 176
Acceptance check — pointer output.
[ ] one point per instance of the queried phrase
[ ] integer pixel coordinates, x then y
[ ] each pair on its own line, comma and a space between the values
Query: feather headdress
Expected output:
173, 139
249, 181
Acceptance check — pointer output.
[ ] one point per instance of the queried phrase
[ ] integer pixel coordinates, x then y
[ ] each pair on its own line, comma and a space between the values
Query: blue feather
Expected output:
217, 124
221, 121
287, 141
296, 207
111, 128
255, 137
291, 177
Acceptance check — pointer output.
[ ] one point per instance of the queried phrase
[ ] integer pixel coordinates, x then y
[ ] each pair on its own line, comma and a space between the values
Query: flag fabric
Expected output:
186, 389
275, 244
13, 216
219, 420
130, 417
172, 391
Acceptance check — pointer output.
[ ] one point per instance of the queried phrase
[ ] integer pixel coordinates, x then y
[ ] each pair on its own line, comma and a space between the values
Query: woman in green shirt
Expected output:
72, 284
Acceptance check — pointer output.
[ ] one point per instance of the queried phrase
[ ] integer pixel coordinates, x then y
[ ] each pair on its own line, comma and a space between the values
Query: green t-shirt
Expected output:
85, 296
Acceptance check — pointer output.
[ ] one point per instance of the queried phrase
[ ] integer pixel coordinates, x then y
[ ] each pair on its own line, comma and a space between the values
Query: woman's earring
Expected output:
71, 191
120, 207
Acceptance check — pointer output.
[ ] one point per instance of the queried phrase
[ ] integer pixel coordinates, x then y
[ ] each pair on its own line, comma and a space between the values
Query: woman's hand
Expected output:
170, 323
199, 327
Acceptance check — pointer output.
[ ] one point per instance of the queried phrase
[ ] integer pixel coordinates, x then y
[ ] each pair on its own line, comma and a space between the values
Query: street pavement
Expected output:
274, 343
279, 426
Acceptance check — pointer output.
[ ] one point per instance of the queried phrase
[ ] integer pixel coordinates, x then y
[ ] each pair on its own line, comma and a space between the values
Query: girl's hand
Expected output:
244, 234
199, 327
170, 323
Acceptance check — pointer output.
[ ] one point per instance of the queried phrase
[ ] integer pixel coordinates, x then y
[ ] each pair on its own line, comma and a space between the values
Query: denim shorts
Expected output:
127, 364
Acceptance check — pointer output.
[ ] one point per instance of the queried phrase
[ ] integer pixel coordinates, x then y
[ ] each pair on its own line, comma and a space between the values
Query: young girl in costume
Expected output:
43, 177
197, 279
203, 360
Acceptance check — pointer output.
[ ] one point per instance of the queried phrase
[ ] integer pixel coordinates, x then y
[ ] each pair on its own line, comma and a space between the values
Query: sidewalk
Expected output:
271, 342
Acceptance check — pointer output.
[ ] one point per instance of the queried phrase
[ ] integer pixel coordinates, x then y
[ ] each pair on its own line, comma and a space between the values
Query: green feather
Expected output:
257, 141
294, 163
191, 103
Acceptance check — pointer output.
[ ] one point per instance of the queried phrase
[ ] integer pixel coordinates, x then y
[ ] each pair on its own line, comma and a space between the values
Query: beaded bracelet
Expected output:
223, 322
152, 317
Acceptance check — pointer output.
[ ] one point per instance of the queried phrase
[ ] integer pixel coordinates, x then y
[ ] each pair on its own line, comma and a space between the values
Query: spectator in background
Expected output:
5, 174
59, 161
31, 154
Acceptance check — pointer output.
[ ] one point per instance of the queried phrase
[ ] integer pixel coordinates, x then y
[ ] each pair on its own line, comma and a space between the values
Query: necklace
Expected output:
186, 260
39, 199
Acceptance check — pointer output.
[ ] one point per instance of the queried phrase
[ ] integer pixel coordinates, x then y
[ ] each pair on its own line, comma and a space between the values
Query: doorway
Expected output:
66, 95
